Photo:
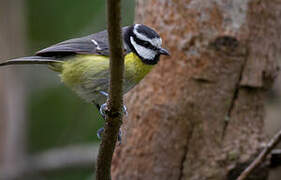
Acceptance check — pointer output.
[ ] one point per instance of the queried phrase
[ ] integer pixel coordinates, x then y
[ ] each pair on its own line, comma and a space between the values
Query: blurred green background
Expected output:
57, 116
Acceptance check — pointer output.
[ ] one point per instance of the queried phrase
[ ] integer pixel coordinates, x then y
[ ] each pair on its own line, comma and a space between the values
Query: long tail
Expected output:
30, 60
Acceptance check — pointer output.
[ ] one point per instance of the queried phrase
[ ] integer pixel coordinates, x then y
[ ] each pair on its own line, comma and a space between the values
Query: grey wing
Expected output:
93, 44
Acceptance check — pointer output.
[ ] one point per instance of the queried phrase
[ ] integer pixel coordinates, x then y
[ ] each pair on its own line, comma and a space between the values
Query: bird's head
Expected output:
144, 42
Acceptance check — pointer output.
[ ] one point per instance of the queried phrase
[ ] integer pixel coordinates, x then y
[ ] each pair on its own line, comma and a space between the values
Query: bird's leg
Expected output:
97, 105
103, 107
101, 130
103, 93
99, 108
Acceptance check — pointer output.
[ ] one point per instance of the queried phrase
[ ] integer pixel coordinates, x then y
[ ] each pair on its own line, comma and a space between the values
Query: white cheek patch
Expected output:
142, 51
157, 42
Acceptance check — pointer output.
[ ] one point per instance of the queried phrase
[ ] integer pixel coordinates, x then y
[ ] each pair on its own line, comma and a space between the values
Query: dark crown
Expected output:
142, 37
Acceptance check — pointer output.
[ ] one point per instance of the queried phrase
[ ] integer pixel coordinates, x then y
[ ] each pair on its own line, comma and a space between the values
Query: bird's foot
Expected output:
119, 137
124, 110
103, 93
103, 109
99, 132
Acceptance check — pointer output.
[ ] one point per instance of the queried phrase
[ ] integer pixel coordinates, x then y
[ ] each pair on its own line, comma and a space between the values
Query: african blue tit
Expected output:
83, 63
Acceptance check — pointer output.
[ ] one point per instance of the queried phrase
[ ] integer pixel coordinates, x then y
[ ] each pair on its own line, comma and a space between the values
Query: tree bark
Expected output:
113, 113
200, 113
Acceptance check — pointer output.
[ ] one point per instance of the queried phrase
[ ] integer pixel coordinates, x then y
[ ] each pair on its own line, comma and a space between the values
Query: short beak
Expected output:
164, 52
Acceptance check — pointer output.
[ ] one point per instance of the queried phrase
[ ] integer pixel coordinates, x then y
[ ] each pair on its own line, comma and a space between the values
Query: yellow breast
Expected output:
89, 74
94, 69
135, 68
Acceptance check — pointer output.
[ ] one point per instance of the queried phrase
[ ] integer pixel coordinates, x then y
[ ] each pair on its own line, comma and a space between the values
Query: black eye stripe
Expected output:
143, 43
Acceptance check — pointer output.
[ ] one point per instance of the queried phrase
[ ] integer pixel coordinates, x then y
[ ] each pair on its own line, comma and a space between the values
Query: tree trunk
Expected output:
12, 117
200, 113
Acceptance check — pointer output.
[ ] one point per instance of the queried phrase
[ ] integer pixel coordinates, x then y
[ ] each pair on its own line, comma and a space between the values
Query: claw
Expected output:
125, 110
119, 137
103, 108
101, 130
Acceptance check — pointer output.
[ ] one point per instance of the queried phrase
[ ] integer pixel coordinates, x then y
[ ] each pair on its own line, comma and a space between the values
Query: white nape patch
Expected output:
96, 43
144, 52
157, 42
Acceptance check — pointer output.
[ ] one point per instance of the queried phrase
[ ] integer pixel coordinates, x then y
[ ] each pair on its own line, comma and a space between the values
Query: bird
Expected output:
83, 63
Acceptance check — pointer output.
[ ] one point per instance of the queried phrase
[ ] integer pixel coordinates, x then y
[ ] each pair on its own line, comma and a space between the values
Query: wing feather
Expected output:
93, 44
30, 60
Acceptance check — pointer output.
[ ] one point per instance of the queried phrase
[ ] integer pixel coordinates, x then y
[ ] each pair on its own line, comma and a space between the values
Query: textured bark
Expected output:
200, 113
113, 113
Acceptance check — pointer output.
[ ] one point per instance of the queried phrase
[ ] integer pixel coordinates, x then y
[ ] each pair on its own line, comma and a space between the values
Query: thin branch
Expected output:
269, 147
115, 101
78, 156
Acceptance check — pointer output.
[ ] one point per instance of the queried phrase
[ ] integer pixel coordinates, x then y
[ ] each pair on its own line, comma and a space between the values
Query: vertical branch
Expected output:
115, 101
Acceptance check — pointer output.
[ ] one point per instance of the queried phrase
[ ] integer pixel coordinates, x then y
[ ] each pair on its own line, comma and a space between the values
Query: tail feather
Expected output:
30, 60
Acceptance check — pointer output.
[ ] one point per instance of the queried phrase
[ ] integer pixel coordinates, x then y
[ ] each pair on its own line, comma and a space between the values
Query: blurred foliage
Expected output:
78, 174
52, 21
57, 116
